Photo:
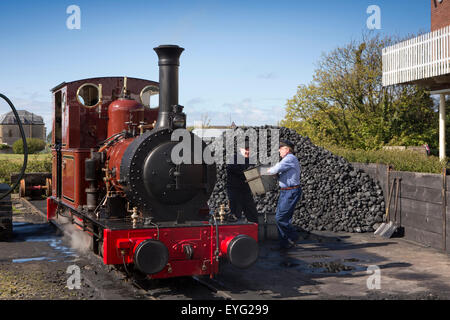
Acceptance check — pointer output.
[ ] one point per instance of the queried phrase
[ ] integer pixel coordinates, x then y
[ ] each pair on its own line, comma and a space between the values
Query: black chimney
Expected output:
169, 61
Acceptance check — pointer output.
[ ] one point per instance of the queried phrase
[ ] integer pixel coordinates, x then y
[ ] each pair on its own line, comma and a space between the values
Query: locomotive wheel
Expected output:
48, 187
22, 188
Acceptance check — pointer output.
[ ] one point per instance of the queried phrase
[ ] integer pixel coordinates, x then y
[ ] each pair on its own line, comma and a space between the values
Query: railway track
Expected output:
157, 289
214, 286
197, 287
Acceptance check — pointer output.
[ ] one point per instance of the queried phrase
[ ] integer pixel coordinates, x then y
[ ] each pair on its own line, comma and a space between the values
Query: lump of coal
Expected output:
336, 197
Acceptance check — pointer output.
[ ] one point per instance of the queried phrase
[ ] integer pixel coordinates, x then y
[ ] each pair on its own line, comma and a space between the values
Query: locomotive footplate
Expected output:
127, 224
166, 250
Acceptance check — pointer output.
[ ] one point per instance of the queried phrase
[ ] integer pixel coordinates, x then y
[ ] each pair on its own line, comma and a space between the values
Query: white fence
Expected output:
419, 58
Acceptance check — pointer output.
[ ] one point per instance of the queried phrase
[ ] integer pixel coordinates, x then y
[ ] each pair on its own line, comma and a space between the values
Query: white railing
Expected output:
419, 58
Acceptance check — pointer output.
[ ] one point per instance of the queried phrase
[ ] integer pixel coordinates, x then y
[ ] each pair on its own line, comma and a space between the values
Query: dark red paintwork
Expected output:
202, 239
83, 128
51, 208
121, 112
114, 156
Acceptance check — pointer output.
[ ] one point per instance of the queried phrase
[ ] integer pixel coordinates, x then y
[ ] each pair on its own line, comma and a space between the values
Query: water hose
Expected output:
25, 146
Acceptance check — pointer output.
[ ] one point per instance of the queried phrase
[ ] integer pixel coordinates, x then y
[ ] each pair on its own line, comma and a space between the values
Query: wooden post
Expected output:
444, 209
388, 186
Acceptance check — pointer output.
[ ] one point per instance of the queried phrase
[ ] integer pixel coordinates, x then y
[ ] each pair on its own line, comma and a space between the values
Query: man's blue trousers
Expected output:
285, 209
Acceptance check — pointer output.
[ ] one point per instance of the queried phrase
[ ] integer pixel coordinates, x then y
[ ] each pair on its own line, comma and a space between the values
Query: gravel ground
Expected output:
34, 264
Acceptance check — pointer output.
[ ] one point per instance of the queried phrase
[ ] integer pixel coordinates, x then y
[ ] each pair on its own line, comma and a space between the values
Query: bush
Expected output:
400, 160
34, 145
41, 164
4, 147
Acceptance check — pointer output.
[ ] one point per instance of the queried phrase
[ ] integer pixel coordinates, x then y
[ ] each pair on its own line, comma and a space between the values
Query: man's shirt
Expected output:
288, 170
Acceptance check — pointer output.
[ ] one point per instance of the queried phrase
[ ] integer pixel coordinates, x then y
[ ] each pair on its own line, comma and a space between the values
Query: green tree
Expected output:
34, 145
346, 104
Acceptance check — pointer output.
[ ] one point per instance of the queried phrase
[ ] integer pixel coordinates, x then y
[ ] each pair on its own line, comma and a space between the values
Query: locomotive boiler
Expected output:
114, 177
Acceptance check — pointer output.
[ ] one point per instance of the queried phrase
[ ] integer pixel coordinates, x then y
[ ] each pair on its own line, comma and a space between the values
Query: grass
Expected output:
12, 163
400, 160
32, 157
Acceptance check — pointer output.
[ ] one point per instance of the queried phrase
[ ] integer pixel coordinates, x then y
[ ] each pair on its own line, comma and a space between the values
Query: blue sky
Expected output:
243, 59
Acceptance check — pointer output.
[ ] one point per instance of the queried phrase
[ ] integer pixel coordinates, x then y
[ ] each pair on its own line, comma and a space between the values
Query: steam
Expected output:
78, 239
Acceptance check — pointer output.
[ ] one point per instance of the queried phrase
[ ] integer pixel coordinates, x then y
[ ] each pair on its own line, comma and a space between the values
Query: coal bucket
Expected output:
260, 181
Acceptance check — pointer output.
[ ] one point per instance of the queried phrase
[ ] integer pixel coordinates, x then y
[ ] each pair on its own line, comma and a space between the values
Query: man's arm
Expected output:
282, 166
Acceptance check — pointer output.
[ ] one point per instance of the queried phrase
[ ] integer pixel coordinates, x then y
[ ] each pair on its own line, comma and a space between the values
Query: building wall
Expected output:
10, 133
440, 14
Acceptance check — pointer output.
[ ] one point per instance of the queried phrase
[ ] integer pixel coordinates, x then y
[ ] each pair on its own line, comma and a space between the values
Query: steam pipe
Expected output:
169, 61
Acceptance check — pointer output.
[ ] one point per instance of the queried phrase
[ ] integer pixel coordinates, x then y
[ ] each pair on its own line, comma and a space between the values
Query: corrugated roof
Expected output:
25, 116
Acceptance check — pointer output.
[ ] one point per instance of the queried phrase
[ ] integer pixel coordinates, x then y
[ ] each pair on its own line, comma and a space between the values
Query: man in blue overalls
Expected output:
288, 170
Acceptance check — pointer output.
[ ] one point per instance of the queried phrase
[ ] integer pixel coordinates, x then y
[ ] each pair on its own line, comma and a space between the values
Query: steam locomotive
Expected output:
113, 177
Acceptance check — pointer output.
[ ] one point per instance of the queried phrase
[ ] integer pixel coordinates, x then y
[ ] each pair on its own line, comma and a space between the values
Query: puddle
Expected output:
28, 259
315, 256
56, 244
43, 232
337, 267
23, 231
331, 267
351, 260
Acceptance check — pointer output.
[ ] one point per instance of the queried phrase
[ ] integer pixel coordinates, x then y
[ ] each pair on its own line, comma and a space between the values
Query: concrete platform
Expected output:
335, 266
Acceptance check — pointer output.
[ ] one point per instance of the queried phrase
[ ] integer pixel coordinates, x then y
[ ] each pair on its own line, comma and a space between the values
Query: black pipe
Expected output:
169, 61
25, 146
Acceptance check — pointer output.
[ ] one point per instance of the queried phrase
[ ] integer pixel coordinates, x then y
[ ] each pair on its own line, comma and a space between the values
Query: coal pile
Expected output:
336, 196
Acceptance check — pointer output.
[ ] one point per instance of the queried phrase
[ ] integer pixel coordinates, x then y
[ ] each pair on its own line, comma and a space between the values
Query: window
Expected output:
150, 97
88, 95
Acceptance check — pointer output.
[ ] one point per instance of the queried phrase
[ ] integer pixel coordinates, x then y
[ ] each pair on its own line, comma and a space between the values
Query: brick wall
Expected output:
440, 14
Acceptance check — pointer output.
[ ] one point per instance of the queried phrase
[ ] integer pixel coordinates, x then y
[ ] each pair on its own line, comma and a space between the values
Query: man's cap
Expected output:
286, 143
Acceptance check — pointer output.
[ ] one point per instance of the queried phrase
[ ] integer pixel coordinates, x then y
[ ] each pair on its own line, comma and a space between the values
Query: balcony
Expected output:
424, 60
